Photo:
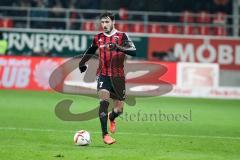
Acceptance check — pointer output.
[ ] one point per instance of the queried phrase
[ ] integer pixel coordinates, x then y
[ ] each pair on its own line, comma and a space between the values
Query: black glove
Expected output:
82, 68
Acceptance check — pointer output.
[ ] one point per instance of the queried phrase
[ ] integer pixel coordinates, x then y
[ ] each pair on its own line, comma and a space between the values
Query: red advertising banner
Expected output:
225, 52
26, 73
187, 79
33, 73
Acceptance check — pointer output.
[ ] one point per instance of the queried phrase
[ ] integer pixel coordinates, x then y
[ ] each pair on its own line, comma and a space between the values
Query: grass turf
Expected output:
201, 129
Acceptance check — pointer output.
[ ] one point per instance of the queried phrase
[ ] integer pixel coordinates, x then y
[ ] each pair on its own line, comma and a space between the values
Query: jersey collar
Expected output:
112, 33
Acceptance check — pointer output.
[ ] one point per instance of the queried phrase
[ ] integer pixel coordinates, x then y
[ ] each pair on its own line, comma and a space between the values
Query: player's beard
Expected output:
110, 30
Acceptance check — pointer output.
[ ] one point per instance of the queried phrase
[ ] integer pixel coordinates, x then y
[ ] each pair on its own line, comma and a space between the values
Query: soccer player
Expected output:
113, 46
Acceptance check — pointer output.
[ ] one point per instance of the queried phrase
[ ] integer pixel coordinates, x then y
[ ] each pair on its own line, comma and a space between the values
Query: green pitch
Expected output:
156, 128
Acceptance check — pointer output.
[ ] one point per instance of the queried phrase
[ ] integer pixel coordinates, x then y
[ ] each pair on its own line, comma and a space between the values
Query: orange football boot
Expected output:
108, 139
112, 125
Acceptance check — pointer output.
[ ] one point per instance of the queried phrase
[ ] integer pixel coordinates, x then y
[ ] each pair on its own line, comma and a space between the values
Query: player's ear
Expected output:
114, 22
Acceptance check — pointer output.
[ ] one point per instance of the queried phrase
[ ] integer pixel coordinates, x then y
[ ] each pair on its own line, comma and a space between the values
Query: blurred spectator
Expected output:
74, 16
123, 14
39, 13
58, 13
21, 23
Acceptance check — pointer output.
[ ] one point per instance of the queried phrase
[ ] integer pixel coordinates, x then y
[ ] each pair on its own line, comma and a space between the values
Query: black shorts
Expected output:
115, 85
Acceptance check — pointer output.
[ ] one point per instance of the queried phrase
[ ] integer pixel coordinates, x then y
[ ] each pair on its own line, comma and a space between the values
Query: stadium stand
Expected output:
212, 17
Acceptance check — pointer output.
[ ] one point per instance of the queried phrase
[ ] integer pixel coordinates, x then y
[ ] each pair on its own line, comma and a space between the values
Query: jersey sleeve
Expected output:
93, 47
90, 51
126, 41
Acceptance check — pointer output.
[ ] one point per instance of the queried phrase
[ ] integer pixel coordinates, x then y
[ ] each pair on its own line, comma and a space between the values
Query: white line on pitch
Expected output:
121, 133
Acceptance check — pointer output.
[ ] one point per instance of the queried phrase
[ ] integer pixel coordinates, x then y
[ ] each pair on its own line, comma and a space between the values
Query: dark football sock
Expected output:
103, 116
114, 115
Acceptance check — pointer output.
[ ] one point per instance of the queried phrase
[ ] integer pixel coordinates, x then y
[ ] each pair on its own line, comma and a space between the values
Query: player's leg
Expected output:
117, 111
103, 109
118, 96
104, 94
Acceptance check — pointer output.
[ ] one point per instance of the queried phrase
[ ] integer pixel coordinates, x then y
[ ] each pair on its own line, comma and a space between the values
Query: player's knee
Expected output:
104, 94
103, 109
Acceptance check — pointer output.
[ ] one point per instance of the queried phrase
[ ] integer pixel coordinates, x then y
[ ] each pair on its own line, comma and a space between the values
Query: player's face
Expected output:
107, 24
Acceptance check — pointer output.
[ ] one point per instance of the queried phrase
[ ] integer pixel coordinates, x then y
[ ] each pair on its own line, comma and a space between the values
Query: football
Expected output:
82, 138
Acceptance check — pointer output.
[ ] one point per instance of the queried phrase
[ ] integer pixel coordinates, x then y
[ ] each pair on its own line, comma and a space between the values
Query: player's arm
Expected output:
127, 46
86, 56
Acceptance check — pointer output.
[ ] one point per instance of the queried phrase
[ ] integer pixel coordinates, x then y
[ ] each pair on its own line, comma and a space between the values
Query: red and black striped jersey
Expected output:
111, 62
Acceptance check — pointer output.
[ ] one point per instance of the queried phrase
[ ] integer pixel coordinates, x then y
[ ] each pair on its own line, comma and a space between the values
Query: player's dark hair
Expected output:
107, 14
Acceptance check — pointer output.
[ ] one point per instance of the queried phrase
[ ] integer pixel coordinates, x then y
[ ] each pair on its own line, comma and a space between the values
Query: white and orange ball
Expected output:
82, 138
